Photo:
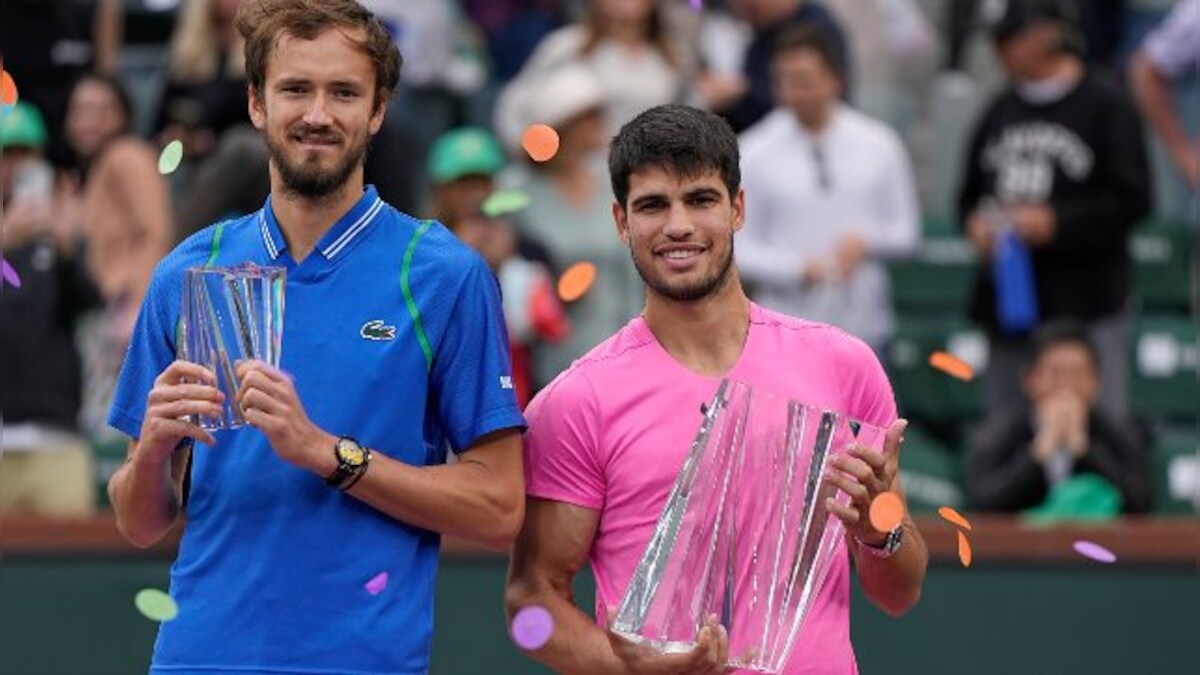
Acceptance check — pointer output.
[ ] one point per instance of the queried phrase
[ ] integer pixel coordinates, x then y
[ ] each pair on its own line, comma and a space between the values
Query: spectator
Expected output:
47, 467
204, 106
571, 213
532, 312
833, 198
1169, 54
48, 44
744, 101
125, 215
1058, 431
1058, 160
463, 165
615, 39
513, 29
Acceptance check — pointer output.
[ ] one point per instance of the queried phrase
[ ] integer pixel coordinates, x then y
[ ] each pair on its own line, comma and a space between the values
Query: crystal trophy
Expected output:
745, 535
230, 315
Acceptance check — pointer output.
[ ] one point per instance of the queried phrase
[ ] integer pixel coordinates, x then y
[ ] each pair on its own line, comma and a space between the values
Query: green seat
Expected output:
931, 474
937, 279
1159, 249
1176, 471
1163, 382
923, 392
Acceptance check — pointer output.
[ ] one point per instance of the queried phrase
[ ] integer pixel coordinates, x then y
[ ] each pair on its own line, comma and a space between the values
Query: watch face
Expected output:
350, 452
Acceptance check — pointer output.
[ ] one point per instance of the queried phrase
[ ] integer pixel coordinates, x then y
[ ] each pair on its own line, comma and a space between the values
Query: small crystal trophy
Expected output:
230, 315
745, 535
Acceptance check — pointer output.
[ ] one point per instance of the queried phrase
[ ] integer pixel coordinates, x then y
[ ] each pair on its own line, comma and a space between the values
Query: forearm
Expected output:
577, 646
144, 499
1154, 94
893, 584
460, 499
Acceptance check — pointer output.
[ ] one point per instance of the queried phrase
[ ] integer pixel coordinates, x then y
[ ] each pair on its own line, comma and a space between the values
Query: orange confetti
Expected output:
541, 142
887, 510
964, 550
952, 366
576, 281
954, 517
8, 89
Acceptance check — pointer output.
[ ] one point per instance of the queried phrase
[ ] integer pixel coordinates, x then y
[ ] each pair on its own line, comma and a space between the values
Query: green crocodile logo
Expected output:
375, 330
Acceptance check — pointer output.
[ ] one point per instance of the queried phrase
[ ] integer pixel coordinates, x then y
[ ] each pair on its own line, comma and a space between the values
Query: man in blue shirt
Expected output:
394, 348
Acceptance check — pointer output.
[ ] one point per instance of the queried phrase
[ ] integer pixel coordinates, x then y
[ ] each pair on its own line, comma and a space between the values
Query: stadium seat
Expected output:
1176, 471
1163, 383
927, 394
938, 278
931, 474
1159, 248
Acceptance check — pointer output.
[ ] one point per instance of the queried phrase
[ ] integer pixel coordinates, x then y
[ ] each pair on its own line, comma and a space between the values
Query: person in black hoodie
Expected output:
1060, 159
1059, 432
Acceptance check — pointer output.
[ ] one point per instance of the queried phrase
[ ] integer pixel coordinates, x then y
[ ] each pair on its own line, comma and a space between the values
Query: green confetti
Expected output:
504, 202
170, 158
156, 605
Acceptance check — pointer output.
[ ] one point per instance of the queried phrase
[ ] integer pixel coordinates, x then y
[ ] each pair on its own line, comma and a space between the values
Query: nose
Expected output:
317, 115
679, 222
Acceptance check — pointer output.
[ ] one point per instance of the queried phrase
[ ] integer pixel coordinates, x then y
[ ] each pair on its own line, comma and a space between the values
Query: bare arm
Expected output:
894, 584
147, 491
551, 549
480, 497
1154, 93
108, 33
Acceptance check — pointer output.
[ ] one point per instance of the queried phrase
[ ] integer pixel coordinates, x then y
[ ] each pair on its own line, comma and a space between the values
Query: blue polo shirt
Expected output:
270, 572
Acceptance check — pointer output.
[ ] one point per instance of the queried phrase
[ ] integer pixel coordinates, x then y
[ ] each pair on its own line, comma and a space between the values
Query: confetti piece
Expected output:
156, 605
697, 4
504, 202
8, 89
1095, 551
954, 517
952, 366
541, 142
887, 510
964, 550
576, 281
377, 583
9, 274
171, 155
532, 627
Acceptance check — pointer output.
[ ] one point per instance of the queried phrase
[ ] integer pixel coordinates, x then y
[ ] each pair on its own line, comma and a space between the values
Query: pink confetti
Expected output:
532, 627
10, 275
1095, 551
377, 583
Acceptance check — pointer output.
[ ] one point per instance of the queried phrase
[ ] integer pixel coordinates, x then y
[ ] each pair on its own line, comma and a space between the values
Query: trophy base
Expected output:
684, 646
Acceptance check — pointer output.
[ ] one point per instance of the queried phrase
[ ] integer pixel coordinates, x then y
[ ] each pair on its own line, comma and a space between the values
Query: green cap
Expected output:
1083, 497
21, 126
466, 151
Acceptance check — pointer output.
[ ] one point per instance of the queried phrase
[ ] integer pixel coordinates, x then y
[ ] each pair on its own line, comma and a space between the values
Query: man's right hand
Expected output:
707, 658
981, 234
182, 390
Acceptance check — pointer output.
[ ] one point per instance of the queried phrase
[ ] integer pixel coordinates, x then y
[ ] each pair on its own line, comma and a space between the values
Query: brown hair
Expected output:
262, 22
657, 34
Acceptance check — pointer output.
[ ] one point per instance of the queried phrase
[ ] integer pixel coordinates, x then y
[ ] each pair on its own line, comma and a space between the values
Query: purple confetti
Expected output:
532, 627
697, 4
10, 275
377, 583
1095, 551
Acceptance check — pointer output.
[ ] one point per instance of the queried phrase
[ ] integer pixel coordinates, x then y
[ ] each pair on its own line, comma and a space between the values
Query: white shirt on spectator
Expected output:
798, 211
1174, 47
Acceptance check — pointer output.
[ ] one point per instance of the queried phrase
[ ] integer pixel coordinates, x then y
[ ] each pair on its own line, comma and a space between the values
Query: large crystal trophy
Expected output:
229, 315
745, 535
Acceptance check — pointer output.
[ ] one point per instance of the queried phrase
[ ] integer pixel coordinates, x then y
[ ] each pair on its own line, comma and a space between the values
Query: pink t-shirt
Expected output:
611, 434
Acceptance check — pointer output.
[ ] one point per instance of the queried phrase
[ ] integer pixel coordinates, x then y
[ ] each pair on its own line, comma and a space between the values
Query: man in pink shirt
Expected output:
607, 438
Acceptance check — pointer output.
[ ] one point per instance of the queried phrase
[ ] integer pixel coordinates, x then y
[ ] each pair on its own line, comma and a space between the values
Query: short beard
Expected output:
705, 288
314, 183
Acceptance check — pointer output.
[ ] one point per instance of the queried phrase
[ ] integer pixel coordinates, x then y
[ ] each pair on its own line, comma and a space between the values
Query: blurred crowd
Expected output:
1045, 131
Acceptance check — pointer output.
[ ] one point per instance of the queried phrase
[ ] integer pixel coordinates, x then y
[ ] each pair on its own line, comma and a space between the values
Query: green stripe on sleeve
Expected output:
408, 296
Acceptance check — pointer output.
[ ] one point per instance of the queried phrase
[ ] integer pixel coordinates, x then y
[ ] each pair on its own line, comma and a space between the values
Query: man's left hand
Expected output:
864, 474
269, 402
1036, 223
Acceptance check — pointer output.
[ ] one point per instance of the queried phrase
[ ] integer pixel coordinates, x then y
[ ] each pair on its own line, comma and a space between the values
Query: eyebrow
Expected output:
298, 80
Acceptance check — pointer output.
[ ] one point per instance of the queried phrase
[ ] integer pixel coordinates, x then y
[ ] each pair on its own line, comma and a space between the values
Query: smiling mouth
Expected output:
681, 254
